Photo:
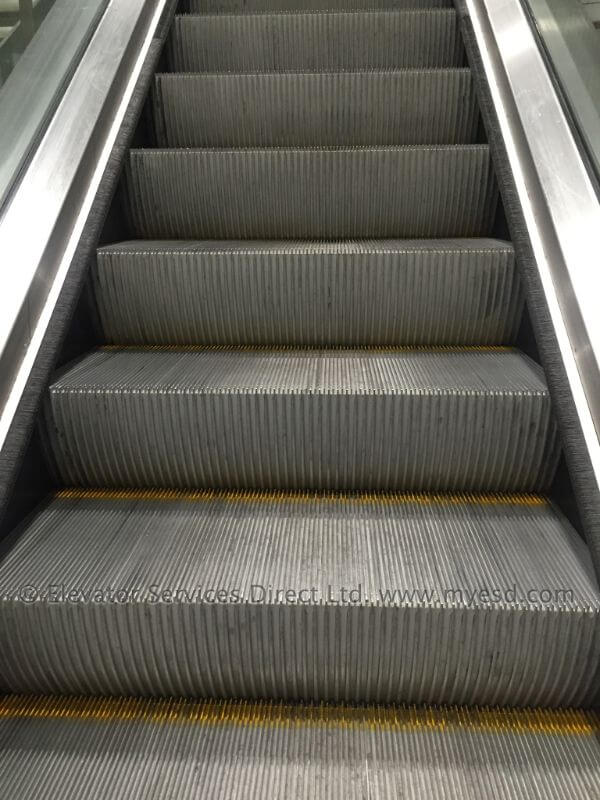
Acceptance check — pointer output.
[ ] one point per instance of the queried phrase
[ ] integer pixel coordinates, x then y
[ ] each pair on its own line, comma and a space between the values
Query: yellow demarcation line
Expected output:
286, 348
199, 495
272, 714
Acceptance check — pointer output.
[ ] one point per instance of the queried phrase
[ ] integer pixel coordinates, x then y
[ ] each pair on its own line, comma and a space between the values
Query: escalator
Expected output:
305, 536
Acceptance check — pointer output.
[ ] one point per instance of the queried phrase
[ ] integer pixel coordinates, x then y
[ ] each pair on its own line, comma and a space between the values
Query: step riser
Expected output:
305, 442
419, 656
230, 419
279, 194
347, 109
435, 293
250, 6
369, 644
371, 40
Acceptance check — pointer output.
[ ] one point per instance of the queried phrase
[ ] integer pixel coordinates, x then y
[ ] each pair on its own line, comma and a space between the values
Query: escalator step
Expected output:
386, 292
443, 419
315, 41
418, 598
386, 192
327, 109
251, 6
141, 749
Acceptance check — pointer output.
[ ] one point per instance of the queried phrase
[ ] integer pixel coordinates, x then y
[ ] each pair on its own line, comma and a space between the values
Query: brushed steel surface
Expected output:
42, 225
561, 211
456, 291
471, 419
135, 750
326, 40
369, 617
34, 87
285, 193
425, 106
571, 42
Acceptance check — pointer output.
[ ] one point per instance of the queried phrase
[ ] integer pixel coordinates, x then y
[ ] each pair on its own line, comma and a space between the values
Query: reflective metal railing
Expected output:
557, 222
571, 43
41, 47
44, 216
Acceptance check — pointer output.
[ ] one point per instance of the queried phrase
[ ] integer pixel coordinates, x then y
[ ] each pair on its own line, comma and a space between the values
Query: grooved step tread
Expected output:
323, 597
458, 291
291, 193
427, 106
252, 6
305, 40
136, 749
457, 419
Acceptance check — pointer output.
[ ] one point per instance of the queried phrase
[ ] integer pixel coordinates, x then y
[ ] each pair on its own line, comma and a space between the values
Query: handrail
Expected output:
559, 205
43, 222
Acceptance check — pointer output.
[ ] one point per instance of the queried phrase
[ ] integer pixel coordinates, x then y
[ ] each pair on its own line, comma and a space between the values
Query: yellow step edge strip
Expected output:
200, 495
272, 714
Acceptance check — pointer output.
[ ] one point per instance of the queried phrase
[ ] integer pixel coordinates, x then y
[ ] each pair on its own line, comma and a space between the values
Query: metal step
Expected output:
386, 192
448, 419
344, 109
367, 598
315, 41
251, 6
379, 292
140, 749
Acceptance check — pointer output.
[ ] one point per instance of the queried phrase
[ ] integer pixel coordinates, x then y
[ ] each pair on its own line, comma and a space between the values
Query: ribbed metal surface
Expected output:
354, 599
228, 6
327, 109
328, 40
460, 291
313, 193
426, 420
135, 750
